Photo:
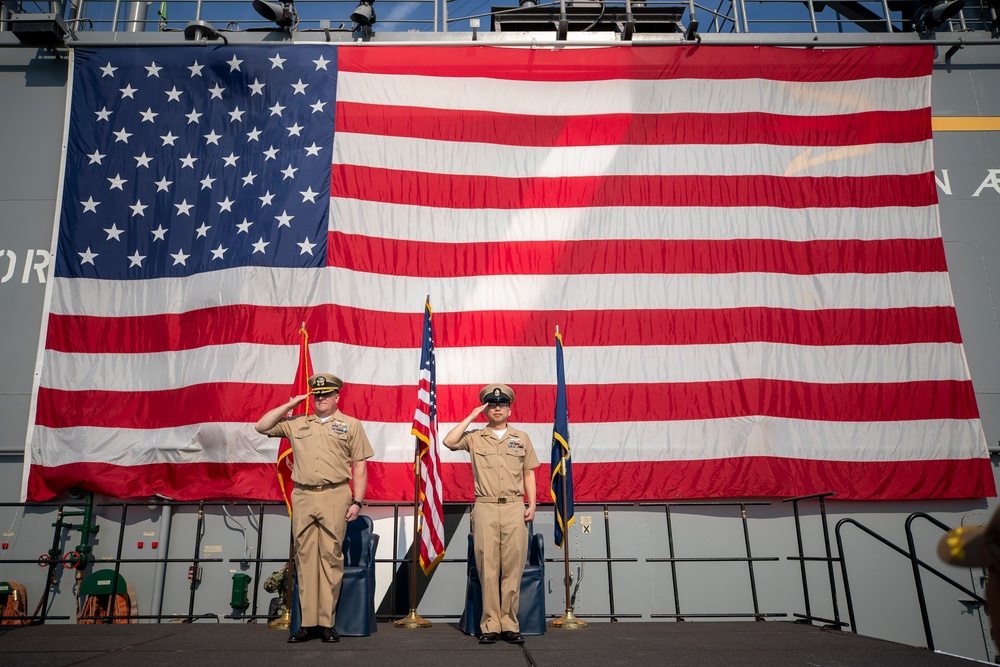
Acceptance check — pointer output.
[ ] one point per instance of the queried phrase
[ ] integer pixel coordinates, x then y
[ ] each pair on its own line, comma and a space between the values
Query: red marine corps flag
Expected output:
299, 387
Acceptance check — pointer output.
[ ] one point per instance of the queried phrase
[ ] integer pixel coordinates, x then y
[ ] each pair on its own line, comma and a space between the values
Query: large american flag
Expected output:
743, 241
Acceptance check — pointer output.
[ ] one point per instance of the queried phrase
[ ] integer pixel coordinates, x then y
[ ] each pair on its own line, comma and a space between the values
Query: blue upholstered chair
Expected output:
531, 609
356, 606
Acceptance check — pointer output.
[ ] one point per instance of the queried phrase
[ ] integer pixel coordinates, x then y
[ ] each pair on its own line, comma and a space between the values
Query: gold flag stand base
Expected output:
413, 620
282, 622
568, 621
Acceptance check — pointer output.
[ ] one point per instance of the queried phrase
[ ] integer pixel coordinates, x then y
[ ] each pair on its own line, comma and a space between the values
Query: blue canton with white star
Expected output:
427, 360
188, 159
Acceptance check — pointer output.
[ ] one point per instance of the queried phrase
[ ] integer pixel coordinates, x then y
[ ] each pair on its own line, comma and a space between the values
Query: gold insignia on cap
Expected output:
323, 383
956, 547
496, 393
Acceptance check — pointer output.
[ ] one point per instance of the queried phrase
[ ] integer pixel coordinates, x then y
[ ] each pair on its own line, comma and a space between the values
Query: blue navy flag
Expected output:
186, 160
562, 467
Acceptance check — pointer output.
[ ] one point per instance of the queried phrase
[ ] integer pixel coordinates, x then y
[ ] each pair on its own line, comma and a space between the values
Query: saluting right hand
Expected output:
455, 434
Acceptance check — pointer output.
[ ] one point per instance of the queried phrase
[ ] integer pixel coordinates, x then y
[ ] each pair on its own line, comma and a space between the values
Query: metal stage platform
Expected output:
764, 644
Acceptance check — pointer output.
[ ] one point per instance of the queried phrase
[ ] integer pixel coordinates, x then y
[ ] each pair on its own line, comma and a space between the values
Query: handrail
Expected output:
917, 564
609, 558
843, 562
829, 559
910, 555
749, 559
728, 17
196, 559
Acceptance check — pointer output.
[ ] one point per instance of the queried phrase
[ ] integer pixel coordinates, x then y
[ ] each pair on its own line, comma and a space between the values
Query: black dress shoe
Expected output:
330, 636
303, 635
512, 637
488, 638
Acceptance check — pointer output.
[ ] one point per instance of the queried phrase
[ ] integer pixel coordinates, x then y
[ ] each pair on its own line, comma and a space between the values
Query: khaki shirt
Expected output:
498, 466
323, 452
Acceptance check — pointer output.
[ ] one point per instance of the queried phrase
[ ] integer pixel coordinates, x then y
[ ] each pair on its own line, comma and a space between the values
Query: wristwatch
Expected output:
358, 503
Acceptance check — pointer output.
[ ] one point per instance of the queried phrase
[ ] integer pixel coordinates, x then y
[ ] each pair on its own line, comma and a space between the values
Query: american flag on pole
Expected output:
425, 428
744, 241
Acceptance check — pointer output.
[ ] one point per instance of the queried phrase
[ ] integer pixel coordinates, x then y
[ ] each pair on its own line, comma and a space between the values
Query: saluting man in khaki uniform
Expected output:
503, 468
325, 447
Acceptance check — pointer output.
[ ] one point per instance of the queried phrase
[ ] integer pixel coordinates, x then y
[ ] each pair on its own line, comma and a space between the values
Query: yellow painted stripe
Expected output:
965, 123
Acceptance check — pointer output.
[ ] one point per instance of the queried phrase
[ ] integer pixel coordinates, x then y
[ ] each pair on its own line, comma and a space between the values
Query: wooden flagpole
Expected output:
413, 619
284, 622
568, 621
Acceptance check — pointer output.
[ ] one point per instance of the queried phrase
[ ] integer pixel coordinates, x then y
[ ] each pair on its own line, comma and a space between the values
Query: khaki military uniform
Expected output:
323, 454
499, 534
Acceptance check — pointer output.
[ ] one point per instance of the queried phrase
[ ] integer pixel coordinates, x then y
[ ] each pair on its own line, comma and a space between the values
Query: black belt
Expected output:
319, 487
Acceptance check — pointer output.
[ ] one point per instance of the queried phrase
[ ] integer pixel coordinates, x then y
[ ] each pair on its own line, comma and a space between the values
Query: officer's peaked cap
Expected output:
496, 393
324, 383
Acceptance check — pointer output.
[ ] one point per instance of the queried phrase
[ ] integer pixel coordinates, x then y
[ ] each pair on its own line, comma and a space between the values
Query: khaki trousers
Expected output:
500, 543
319, 523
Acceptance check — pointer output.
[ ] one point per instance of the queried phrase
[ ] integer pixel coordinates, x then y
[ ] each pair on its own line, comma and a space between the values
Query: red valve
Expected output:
73, 559
44, 560
139, 544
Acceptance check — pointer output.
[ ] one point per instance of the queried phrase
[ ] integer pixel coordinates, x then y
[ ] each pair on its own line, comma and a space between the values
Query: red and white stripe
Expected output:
431, 494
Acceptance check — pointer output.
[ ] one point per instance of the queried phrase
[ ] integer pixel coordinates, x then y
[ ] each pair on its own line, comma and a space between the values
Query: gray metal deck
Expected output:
770, 644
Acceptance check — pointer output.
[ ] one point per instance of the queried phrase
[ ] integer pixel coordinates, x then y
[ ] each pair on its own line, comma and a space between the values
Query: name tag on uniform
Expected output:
338, 426
515, 446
